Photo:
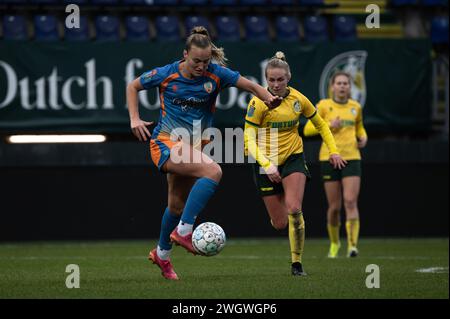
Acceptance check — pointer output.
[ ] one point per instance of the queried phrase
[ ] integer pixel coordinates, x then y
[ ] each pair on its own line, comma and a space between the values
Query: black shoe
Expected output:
297, 269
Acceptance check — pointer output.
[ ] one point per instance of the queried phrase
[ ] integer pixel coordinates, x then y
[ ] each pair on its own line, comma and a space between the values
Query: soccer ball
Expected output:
208, 239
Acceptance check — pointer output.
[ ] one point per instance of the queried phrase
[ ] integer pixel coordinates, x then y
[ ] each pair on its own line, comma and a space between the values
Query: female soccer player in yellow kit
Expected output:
344, 117
271, 137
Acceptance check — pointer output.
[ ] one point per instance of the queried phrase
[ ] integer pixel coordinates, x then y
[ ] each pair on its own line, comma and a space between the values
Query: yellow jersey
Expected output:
277, 135
346, 136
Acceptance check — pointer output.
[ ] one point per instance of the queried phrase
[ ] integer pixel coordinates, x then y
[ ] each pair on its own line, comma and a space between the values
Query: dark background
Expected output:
113, 191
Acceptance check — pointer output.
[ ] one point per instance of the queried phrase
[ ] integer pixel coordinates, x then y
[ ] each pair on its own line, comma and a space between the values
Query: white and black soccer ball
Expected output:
208, 239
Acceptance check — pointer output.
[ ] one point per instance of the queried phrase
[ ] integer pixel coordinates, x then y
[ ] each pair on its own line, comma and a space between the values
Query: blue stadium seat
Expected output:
78, 34
311, 2
194, 2
224, 2
256, 28
165, 2
227, 28
137, 28
44, 1
282, 2
45, 28
14, 27
253, 2
316, 29
403, 2
167, 28
107, 28
439, 30
137, 2
78, 2
195, 21
104, 2
344, 28
287, 28
15, 1
433, 3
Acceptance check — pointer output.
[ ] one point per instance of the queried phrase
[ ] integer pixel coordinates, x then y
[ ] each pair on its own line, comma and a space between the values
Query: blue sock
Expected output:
168, 224
199, 196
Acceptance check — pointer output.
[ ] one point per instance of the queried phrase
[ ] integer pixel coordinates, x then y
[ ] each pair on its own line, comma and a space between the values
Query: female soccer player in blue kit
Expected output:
188, 90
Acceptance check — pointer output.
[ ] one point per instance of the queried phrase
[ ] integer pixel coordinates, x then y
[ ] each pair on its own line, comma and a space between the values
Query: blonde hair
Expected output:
278, 61
339, 73
200, 38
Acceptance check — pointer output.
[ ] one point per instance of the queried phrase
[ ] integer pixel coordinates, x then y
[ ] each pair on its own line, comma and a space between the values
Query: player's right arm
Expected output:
138, 126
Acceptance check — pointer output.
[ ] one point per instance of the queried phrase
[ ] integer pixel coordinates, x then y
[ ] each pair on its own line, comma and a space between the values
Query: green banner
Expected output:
80, 87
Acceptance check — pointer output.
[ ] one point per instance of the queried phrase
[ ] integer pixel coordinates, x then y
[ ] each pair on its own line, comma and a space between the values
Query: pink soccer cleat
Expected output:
165, 265
183, 241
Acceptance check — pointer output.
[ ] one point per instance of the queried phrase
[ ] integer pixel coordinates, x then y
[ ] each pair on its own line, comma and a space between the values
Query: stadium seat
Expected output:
311, 2
439, 30
45, 28
44, 1
287, 28
78, 2
137, 2
316, 29
344, 28
104, 2
403, 2
107, 28
224, 2
256, 28
227, 28
281, 2
165, 2
14, 27
253, 2
193, 2
195, 21
137, 28
78, 34
434, 3
167, 28
14, 1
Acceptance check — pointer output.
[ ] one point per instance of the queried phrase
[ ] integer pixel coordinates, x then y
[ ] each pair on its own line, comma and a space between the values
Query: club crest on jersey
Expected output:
353, 63
150, 74
297, 106
353, 111
251, 111
208, 87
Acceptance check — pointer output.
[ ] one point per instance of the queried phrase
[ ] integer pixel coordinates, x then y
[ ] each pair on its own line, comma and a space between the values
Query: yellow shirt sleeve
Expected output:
254, 118
360, 130
325, 133
310, 129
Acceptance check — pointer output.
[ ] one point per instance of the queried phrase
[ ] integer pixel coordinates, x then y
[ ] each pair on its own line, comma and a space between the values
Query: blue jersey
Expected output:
184, 100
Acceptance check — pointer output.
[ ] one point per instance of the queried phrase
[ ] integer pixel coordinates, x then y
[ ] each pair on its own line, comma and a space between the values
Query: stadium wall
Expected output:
111, 190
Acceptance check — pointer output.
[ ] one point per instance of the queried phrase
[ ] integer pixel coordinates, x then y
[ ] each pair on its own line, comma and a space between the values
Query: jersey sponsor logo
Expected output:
208, 86
297, 106
282, 124
251, 111
352, 62
191, 102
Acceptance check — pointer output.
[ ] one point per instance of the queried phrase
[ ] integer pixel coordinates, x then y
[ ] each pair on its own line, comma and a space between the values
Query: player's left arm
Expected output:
361, 133
258, 91
311, 113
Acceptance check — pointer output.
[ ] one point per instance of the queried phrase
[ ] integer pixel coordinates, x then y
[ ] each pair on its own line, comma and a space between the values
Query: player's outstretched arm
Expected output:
138, 126
258, 91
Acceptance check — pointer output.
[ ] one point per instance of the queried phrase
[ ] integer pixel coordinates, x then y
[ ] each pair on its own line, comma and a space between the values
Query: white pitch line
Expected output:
433, 270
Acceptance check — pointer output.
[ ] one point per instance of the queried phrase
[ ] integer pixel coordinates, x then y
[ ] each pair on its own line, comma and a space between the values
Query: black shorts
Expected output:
353, 168
294, 163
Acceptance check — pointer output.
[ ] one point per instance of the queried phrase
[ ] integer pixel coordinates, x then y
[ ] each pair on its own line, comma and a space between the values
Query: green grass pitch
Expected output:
257, 268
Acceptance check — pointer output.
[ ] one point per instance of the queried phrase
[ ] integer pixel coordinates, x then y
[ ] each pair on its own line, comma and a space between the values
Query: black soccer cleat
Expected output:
297, 269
